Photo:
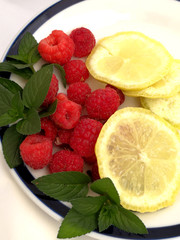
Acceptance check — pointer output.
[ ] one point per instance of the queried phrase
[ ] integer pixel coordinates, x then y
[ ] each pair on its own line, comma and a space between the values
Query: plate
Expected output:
157, 19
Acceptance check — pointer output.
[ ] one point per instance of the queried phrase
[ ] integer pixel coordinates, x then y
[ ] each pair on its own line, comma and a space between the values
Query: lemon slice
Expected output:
167, 108
129, 61
140, 152
168, 86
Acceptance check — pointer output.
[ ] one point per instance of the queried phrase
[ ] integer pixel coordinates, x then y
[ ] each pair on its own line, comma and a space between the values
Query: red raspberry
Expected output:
58, 47
84, 136
52, 92
67, 114
48, 128
91, 160
119, 92
76, 71
102, 103
78, 92
36, 151
84, 41
65, 160
63, 136
95, 172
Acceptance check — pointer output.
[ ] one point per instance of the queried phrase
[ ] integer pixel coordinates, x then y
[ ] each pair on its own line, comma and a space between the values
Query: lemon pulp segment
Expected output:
140, 152
129, 60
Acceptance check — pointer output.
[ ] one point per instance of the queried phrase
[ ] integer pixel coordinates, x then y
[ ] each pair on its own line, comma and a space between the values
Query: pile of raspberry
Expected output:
80, 114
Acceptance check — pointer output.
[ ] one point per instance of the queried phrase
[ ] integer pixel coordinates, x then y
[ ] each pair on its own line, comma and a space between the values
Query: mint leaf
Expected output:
49, 110
129, 222
25, 73
10, 85
106, 216
33, 55
88, 205
37, 87
28, 42
5, 99
6, 119
106, 187
17, 106
10, 145
63, 186
62, 72
31, 123
76, 224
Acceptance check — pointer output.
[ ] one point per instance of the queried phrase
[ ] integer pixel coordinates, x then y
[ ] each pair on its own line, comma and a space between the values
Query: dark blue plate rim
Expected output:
26, 177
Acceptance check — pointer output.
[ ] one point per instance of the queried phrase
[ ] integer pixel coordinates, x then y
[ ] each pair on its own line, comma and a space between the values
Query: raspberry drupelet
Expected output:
48, 128
66, 160
75, 71
84, 136
36, 151
84, 41
78, 92
67, 113
102, 103
58, 47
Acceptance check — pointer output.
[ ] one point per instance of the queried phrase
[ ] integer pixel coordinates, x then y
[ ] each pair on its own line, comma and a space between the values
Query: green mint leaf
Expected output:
37, 87
106, 216
88, 205
106, 187
6, 119
10, 145
49, 110
33, 55
31, 123
28, 42
63, 186
17, 106
76, 224
10, 85
62, 72
20, 66
5, 99
21, 59
129, 222
25, 73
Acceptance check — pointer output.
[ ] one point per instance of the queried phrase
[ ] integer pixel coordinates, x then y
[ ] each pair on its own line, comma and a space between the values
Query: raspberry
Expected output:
102, 103
63, 136
119, 92
76, 71
95, 172
84, 136
84, 41
91, 160
58, 47
77, 92
67, 114
52, 92
48, 128
65, 160
36, 151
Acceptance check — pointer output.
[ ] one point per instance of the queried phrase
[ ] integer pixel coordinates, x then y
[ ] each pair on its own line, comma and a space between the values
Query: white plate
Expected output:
157, 19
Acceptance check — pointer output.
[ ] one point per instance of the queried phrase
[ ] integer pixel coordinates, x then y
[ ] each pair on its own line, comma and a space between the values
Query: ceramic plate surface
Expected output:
157, 19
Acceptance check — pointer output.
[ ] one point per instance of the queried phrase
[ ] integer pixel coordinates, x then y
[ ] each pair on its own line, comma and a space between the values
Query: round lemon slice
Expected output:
167, 108
168, 86
129, 61
140, 152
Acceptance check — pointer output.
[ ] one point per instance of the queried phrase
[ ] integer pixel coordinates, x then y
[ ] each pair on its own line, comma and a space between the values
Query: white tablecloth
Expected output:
20, 217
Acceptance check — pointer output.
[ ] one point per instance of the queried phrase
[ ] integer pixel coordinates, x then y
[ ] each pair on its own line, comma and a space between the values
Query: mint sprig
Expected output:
88, 213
